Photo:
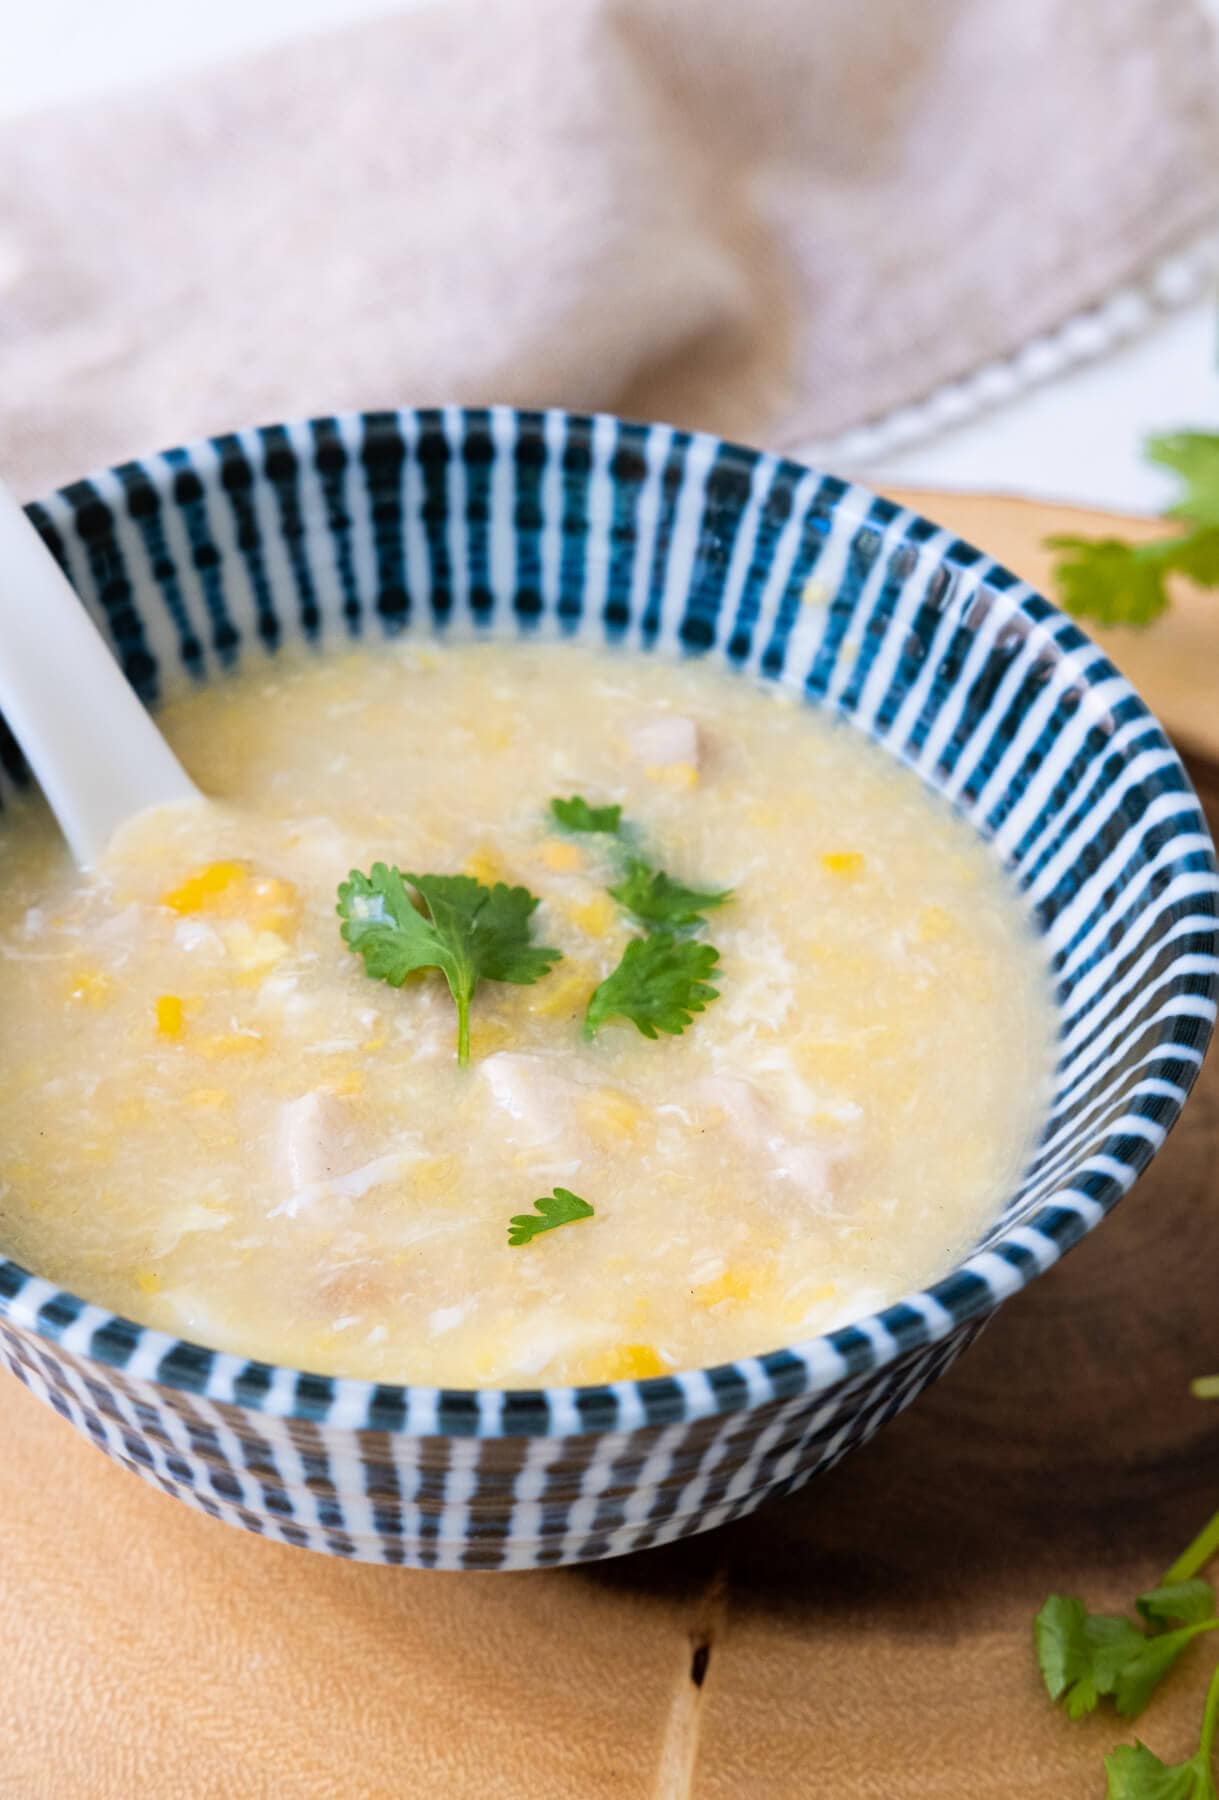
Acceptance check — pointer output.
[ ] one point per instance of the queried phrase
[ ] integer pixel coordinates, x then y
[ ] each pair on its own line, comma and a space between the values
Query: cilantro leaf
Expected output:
469, 932
1081, 1653
577, 815
661, 903
1111, 581
1178, 1603
1086, 1656
1194, 455
1135, 1773
1118, 583
561, 1208
659, 985
1198, 556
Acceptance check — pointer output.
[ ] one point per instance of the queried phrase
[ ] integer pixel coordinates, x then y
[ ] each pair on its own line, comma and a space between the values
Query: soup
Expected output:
219, 1118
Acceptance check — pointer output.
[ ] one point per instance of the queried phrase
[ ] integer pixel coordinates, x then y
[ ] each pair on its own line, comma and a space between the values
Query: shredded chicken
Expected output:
805, 1161
666, 740
537, 1093
321, 1150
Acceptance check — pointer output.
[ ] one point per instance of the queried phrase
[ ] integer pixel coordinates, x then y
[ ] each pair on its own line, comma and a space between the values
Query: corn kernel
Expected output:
274, 904
564, 858
560, 995
629, 1362
264, 902
433, 1174
253, 950
494, 737
935, 923
90, 987
346, 1084
169, 1012
148, 1281
596, 916
814, 592
484, 865
203, 886
842, 862
734, 1284
675, 775
230, 1043
794, 1312
489, 1035
611, 1115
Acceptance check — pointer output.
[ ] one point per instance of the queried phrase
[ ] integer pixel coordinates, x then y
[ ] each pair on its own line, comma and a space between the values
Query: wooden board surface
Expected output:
868, 1639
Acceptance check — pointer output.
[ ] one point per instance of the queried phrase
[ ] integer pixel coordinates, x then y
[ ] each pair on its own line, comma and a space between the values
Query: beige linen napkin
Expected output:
775, 219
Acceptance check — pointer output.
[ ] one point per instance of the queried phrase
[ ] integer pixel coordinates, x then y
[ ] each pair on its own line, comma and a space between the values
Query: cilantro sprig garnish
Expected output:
661, 903
661, 982
560, 1208
659, 985
1087, 1657
1118, 583
577, 815
453, 923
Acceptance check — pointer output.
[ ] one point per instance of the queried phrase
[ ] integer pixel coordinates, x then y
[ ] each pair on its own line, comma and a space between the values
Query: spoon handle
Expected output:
96, 753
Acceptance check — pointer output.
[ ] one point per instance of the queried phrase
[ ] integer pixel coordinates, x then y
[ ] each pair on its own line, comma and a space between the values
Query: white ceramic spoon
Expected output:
98, 757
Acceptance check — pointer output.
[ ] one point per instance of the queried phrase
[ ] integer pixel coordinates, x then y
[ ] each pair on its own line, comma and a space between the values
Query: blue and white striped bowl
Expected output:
503, 523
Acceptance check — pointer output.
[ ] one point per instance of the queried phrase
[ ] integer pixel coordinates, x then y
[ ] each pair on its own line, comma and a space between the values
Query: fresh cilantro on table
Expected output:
1087, 1657
470, 932
560, 1208
577, 815
659, 985
661, 903
1135, 1773
1118, 583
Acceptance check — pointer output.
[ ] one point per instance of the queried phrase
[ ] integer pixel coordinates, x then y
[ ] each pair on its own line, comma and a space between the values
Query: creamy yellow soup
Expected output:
213, 1119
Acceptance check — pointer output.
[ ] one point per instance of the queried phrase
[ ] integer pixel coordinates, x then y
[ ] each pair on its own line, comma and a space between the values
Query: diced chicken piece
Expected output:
662, 742
320, 1151
195, 936
806, 1162
539, 1094
313, 1141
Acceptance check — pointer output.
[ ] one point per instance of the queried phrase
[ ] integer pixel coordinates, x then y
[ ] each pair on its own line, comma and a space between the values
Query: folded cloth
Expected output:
774, 220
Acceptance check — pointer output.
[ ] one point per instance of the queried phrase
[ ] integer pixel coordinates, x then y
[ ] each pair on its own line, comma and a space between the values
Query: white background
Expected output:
1076, 438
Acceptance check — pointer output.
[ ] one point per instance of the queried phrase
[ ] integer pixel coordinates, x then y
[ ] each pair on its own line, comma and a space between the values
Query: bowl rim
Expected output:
845, 1357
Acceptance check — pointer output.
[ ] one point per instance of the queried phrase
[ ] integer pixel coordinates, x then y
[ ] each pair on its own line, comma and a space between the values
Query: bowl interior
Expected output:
493, 522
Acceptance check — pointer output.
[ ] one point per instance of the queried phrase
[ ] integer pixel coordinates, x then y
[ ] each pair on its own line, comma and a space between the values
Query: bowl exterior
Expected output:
492, 522
445, 1502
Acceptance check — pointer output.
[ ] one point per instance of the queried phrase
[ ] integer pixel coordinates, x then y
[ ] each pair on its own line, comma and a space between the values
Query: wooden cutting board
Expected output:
868, 1639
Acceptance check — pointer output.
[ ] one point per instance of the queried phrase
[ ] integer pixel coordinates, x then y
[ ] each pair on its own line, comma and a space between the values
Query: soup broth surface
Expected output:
213, 1120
